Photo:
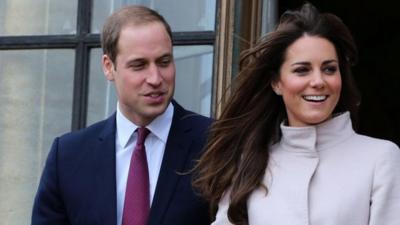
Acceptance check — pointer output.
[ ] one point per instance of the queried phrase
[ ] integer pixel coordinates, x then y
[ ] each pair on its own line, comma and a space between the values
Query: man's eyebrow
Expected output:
136, 60
166, 55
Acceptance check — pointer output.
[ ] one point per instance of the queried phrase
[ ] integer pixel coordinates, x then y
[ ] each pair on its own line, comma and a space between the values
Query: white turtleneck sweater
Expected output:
326, 175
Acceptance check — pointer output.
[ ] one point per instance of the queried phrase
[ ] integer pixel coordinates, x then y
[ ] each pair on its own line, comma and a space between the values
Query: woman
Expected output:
284, 151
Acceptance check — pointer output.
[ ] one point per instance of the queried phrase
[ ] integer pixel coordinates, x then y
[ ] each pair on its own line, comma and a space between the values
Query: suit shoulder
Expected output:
189, 117
196, 120
85, 134
195, 117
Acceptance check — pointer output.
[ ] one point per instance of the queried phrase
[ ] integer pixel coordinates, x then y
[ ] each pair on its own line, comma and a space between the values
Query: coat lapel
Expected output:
105, 174
175, 157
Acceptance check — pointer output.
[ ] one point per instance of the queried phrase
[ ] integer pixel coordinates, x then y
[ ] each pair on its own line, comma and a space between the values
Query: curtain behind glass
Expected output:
35, 106
182, 15
37, 17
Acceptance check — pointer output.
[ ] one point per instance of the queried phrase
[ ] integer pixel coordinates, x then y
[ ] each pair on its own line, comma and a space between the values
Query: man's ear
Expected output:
108, 67
276, 87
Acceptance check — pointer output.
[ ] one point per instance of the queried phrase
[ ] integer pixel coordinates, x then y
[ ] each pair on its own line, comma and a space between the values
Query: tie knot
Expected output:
142, 134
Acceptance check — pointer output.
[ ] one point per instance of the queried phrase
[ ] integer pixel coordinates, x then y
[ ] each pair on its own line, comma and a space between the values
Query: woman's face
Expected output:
309, 81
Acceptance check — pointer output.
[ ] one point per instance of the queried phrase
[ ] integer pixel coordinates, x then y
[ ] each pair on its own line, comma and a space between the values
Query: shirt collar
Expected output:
125, 128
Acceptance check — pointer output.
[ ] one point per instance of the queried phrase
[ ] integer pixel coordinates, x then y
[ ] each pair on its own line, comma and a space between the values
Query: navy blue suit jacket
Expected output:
78, 184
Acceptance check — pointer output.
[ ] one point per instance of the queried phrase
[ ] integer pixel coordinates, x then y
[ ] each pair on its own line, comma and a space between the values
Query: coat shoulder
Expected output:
190, 119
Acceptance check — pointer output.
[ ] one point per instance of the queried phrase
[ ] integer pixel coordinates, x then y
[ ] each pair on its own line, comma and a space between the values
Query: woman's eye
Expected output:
301, 70
330, 69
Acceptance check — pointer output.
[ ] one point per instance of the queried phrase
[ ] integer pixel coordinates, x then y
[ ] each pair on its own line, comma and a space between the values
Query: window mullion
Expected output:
81, 78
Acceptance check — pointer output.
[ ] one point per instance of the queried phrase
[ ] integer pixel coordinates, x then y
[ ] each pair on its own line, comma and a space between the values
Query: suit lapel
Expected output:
174, 159
105, 174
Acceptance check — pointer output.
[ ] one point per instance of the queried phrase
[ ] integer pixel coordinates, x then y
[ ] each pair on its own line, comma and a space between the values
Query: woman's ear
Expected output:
276, 87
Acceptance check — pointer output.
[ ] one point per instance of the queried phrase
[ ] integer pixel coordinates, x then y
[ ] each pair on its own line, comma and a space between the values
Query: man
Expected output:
88, 177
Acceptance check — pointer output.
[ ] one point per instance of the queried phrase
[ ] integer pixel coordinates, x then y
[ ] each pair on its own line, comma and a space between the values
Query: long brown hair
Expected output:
237, 151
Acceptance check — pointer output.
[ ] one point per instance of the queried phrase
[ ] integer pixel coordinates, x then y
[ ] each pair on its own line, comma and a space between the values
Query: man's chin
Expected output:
156, 110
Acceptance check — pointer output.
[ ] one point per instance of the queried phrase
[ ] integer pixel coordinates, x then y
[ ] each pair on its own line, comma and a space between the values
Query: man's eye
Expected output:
164, 62
137, 66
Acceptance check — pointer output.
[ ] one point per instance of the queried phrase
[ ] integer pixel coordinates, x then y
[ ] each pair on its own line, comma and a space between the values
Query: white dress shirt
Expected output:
125, 141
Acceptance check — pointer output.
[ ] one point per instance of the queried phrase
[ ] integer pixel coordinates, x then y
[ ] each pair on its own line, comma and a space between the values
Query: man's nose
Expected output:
154, 77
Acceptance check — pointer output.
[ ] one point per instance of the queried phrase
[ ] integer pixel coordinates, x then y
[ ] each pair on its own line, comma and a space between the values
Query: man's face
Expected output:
144, 71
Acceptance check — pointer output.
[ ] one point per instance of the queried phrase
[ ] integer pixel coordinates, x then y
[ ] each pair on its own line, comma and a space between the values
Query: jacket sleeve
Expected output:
385, 199
48, 207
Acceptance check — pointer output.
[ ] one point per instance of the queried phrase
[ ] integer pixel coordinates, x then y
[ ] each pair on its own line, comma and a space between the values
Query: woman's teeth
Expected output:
315, 97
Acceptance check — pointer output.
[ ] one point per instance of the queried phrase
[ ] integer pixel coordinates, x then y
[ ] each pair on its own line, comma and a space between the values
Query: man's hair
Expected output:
128, 15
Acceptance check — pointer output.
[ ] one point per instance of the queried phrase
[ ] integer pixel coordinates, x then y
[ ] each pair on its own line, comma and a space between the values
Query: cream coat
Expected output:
327, 175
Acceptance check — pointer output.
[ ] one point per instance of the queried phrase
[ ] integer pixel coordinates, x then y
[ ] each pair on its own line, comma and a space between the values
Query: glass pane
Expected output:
35, 106
194, 66
188, 15
269, 15
102, 96
37, 17
193, 83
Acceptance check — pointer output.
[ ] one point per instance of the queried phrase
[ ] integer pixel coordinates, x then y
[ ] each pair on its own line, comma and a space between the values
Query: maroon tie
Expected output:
137, 194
